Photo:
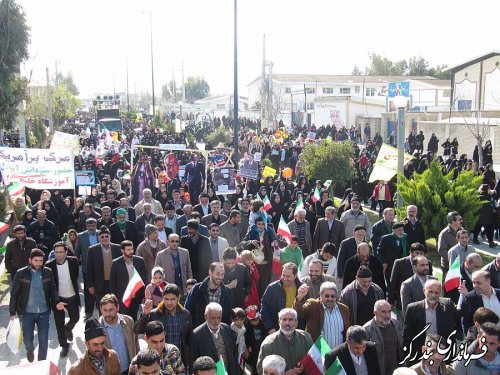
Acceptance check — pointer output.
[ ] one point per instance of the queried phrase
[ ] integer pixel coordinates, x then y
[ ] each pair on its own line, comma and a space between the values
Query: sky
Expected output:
97, 40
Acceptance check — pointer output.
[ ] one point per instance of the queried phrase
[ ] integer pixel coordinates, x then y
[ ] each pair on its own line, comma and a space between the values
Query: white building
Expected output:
309, 96
221, 105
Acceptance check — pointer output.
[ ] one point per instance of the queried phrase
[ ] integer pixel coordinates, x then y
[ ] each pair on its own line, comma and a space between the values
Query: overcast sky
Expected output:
94, 39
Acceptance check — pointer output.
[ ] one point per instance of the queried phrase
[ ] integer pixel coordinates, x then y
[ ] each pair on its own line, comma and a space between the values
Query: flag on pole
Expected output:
135, 283
267, 203
452, 280
317, 195
327, 184
220, 369
314, 361
336, 369
4, 227
300, 204
284, 231
16, 190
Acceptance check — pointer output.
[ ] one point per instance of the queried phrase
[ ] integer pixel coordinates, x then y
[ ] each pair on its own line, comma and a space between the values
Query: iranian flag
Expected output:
336, 369
16, 190
316, 196
220, 369
452, 280
4, 227
300, 204
267, 203
314, 361
135, 283
284, 231
327, 184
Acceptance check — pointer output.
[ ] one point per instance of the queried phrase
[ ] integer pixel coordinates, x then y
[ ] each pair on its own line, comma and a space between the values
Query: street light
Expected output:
400, 102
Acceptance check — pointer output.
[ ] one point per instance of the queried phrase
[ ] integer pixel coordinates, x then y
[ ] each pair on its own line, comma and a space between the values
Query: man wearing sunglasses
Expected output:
99, 260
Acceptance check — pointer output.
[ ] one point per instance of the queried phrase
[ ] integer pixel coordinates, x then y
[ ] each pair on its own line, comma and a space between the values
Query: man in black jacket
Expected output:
99, 259
392, 247
382, 227
32, 295
364, 258
124, 229
413, 227
494, 269
65, 270
123, 270
199, 250
43, 231
348, 248
356, 346
236, 277
17, 254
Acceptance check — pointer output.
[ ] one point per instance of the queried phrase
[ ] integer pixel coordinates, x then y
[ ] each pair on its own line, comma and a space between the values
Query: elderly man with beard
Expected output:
156, 206
354, 217
290, 343
124, 229
387, 334
96, 359
215, 340
316, 278
149, 249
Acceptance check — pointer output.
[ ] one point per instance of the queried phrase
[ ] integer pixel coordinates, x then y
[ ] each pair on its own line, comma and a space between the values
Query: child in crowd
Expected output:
238, 317
189, 285
247, 259
154, 290
254, 335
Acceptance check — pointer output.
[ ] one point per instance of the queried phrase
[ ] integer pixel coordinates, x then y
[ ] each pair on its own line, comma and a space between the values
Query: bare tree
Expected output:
278, 104
478, 128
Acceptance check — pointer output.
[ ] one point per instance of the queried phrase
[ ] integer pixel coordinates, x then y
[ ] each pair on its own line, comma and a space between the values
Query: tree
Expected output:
356, 71
14, 41
68, 82
382, 66
329, 161
196, 88
168, 91
418, 66
220, 134
436, 194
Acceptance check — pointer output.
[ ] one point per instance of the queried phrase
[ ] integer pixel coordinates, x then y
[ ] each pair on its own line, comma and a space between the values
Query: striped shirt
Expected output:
333, 326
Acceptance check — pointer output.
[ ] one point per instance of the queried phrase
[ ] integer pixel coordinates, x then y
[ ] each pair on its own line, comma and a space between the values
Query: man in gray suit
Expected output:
412, 289
175, 262
86, 239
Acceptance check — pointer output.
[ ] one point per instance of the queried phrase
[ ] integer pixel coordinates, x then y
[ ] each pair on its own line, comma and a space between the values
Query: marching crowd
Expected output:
206, 278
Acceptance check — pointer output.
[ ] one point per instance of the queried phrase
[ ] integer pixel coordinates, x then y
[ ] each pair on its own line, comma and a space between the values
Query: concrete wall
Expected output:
373, 122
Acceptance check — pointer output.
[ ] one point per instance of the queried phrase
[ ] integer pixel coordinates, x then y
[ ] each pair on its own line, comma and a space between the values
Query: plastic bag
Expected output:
14, 337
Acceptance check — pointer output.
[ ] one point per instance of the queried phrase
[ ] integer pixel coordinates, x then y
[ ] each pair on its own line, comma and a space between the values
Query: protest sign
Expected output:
85, 178
224, 181
386, 165
268, 172
38, 168
249, 168
311, 136
257, 156
63, 141
172, 146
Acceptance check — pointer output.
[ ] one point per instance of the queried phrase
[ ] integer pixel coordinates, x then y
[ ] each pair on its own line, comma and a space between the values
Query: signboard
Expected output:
172, 146
85, 178
249, 168
398, 89
224, 181
38, 168
63, 141
386, 166
268, 172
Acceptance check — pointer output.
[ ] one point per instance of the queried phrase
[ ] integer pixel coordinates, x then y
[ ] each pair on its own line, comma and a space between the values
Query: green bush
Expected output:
220, 135
329, 161
266, 162
436, 194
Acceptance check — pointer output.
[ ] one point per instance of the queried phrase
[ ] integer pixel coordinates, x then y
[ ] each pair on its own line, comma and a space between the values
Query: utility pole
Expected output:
152, 64
128, 97
263, 101
49, 102
236, 97
183, 84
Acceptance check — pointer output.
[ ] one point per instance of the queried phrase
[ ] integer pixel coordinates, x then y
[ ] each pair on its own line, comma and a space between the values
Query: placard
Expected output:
85, 178
249, 168
63, 141
386, 165
224, 181
268, 172
172, 146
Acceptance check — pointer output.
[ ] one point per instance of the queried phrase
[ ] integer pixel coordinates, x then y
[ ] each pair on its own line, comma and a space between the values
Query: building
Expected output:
475, 83
296, 97
221, 105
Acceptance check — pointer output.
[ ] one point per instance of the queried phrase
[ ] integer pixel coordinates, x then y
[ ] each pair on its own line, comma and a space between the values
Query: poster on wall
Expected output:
224, 181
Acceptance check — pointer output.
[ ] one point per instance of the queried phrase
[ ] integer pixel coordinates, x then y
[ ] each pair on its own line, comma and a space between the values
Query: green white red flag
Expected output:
452, 280
300, 204
336, 369
267, 203
4, 227
317, 195
220, 369
284, 231
134, 285
314, 361
16, 190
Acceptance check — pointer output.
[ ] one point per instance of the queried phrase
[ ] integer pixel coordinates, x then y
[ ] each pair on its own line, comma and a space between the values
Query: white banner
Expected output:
38, 168
62, 141
386, 166
172, 146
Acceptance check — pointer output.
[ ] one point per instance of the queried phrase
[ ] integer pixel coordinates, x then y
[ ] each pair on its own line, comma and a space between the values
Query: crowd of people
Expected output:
205, 277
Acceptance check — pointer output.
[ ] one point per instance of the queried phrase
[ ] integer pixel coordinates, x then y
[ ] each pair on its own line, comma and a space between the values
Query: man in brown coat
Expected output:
323, 314
149, 248
96, 359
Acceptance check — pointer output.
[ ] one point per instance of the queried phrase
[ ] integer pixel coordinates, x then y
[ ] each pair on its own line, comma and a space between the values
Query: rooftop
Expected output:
472, 61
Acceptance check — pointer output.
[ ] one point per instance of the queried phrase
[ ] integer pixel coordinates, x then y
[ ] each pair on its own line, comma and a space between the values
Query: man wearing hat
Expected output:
149, 248
96, 359
353, 217
392, 247
99, 259
199, 250
123, 229
360, 296
170, 217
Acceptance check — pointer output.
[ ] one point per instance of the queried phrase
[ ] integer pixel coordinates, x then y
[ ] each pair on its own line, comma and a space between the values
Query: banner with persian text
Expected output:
386, 166
38, 168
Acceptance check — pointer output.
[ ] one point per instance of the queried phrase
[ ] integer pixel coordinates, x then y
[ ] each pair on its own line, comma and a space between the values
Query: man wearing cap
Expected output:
149, 248
96, 359
99, 260
85, 240
198, 247
123, 229
170, 217
354, 216
156, 206
124, 203
348, 248
360, 296
122, 270
392, 247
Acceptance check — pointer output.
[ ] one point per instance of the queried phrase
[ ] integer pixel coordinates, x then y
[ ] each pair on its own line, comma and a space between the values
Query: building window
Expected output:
310, 90
310, 105
345, 90
288, 90
357, 89
446, 93
221, 106
370, 91
327, 90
